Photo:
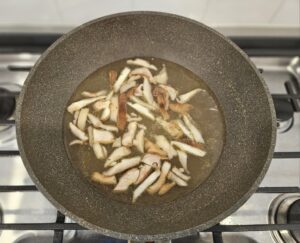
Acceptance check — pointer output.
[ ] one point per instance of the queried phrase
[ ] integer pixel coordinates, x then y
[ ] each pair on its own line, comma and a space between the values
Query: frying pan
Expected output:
246, 104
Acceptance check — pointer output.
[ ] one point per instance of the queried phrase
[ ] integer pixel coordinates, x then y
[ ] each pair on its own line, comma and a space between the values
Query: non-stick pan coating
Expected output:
242, 94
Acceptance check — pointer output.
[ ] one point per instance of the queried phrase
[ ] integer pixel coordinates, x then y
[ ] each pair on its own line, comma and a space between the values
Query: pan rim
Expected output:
172, 235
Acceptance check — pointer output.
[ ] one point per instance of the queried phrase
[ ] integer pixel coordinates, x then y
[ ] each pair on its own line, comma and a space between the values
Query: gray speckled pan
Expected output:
242, 94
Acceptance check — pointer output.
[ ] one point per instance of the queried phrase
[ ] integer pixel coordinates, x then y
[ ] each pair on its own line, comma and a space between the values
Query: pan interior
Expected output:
206, 113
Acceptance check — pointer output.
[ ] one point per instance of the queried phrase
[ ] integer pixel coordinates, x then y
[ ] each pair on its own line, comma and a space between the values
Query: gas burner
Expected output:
7, 104
284, 114
7, 109
285, 209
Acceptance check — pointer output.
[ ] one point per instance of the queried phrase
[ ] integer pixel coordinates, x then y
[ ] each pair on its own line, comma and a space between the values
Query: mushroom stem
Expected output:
122, 166
128, 137
106, 180
176, 179
82, 103
189, 149
177, 172
166, 187
142, 187
162, 178
122, 77
117, 154
77, 132
127, 179
142, 110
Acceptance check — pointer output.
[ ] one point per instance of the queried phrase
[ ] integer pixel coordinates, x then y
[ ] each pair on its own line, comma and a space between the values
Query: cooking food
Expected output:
113, 123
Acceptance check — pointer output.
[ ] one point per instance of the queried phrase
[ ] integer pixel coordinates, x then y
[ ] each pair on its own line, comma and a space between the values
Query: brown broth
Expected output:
210, 122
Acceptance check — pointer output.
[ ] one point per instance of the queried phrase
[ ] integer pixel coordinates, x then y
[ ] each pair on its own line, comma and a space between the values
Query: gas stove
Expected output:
272, 214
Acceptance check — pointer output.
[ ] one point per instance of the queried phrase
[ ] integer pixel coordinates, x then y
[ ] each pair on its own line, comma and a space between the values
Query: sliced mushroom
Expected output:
103, 137
104, 151
142, 110
101, 105
98, 151
166, 187
142, 63
164, 144
112, 77
122, 77
106, 112
171, 176
172, 92
161, 77
162, 178
177, 172
125, 164
188, 96
170, 127
162, 97
82, 103
127, 180
189, 149
109, 127
91, 135
122, 120
77, 132
106, 180
184, 129
144, 172
95, 121
144, 72
180, 108
114, 108
138, 142
117, 154
117, 143
127, 85
76, 141
195, 132
145, 184
139, 101
128, 137
182, 156
193, 143
76, 114
153, 148
93, 94
147, 92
